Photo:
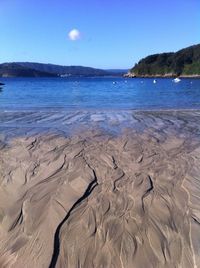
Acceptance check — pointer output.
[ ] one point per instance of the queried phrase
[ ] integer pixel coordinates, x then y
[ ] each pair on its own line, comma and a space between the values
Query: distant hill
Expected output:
65, 70
185, 62
33, 69
16, 70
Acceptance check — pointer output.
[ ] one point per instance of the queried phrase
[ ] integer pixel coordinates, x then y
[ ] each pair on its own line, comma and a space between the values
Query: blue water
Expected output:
98, 93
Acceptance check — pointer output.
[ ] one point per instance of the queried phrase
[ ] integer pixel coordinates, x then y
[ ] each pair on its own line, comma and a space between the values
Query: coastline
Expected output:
96, 191
99, 134
68, 122
132, 75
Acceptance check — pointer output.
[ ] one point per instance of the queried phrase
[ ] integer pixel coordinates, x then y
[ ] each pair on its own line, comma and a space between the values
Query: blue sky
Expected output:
113, 34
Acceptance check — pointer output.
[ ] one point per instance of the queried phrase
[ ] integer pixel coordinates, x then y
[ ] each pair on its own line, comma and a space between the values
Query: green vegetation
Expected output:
16, 70
32, 69
64, 70
182, 63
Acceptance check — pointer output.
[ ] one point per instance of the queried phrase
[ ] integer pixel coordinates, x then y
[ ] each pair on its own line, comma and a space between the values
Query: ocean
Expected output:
57, 94
33, 105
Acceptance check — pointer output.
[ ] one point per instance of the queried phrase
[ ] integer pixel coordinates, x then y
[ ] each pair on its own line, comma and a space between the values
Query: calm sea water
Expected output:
98, 93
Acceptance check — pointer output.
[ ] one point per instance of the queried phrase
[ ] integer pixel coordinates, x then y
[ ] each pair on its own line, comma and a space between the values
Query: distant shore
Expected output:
132, 75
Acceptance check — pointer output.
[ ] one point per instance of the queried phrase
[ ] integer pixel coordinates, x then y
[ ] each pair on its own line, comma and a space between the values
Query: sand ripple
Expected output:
98, 200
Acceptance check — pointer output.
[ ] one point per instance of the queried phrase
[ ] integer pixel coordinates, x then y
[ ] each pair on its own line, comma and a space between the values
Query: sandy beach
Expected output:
126, 195
99, 134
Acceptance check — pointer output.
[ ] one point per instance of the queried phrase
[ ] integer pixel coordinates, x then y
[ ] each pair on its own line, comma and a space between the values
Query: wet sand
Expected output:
117, 190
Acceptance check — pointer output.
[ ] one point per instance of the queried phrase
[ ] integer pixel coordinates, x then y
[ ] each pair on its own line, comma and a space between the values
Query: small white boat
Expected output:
177, 80
154, 81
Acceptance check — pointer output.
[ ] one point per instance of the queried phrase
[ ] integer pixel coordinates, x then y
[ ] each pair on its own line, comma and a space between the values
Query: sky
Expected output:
97, 33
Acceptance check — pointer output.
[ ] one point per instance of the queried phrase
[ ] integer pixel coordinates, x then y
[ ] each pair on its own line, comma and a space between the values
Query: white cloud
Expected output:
74, 35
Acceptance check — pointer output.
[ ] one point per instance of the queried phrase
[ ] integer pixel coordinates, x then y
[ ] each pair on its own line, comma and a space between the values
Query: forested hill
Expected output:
32, 69
185, 62
65, 70
16, 70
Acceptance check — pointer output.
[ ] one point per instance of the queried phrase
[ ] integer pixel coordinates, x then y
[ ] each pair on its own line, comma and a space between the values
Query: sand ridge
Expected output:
98, 200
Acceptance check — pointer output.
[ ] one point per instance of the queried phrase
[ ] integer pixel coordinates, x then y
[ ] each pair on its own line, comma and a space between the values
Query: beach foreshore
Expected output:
100, 189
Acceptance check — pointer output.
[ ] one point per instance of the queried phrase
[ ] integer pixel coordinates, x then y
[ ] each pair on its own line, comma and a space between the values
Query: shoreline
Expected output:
129, 75
74, 121
99, 110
